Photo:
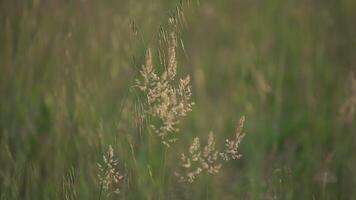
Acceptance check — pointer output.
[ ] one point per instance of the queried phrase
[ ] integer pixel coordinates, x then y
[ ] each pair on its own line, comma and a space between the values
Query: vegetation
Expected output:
152, 99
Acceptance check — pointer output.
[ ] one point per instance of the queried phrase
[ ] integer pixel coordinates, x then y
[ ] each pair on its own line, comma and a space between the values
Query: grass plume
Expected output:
165, 99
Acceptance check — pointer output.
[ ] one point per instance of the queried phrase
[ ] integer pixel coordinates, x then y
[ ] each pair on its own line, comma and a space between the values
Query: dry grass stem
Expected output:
232, 145
166, 100
208, 159
109, 175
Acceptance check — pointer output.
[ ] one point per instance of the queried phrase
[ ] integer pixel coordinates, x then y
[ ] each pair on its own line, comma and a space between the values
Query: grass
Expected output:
67, 71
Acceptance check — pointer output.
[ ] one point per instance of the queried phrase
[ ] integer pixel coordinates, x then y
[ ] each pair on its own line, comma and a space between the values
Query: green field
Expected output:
70, 73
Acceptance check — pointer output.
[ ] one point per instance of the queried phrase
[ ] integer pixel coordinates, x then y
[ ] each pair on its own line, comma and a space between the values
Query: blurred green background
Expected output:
66, 74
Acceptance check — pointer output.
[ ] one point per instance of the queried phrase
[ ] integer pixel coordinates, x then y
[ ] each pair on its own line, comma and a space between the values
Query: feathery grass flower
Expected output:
109, 175
166, 100
208, 159
232, 145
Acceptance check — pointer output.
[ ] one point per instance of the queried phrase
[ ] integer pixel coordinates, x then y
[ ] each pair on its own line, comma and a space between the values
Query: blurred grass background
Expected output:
67, 67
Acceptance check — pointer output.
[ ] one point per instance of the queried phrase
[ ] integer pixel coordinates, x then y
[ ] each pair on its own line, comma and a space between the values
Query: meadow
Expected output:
189, 99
